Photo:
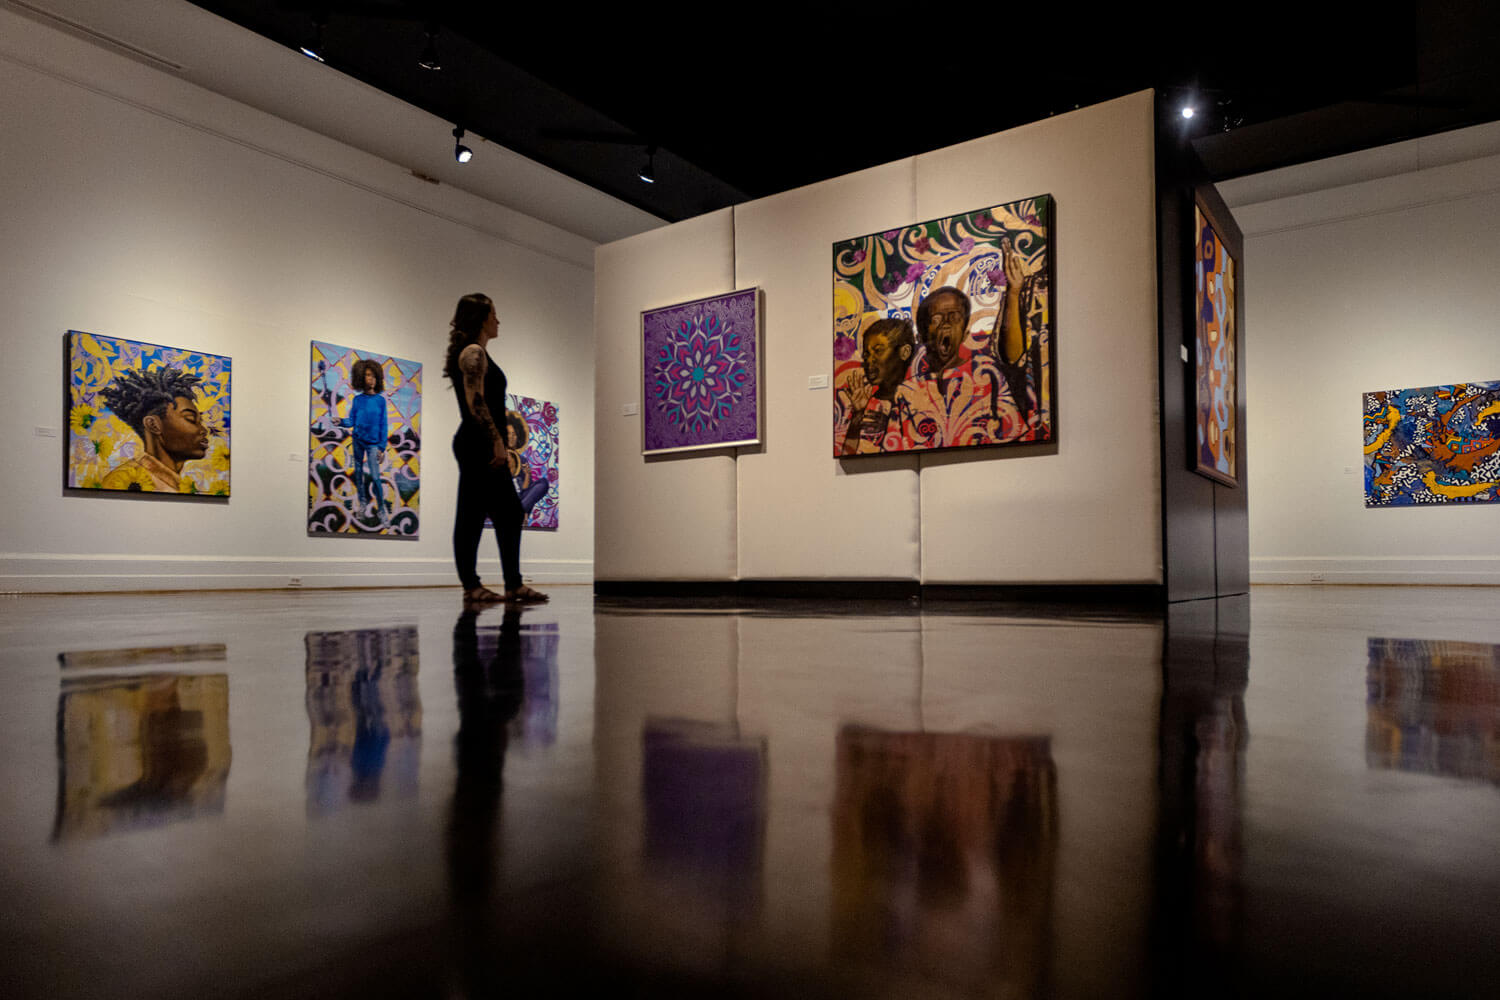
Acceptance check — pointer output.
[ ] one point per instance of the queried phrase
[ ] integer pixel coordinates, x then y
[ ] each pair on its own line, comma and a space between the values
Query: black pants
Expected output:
486, 491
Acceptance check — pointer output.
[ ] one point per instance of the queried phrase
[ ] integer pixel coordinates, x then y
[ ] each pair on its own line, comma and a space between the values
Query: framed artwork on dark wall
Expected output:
1215, 361
143, 418
1439, 444
701, 374
942, 333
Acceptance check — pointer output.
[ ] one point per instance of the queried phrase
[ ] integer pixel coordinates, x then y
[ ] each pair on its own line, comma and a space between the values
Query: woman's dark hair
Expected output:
357, 375
468, 319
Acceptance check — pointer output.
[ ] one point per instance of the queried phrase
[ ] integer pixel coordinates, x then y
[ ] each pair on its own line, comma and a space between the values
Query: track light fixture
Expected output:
461, 153
313, 47
1188, 111
430, 60
648, 169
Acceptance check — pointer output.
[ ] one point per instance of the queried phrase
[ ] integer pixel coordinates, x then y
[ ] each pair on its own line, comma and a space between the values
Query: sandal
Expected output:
525, 595
482, 595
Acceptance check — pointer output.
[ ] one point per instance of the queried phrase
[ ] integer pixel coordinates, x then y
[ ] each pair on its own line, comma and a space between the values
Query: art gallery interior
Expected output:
1060, 719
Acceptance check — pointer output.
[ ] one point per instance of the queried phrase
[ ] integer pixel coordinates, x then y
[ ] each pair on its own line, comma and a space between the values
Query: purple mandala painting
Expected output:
701, 374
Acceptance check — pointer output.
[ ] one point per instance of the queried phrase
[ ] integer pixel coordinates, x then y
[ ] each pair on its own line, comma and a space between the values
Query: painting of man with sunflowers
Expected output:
146, 418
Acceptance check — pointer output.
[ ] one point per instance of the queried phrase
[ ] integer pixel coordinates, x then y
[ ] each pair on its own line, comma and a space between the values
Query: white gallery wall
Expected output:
1084, 510
1376, 270
139, 206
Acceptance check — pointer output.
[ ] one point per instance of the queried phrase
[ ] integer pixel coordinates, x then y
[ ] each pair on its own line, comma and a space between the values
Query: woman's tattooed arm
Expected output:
472, 364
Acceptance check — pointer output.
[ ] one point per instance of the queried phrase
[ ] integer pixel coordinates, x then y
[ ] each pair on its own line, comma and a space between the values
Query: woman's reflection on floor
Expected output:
490, 682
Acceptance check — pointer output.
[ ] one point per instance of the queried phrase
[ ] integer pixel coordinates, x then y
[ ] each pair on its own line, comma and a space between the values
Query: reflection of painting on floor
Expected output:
535, 726
365, 713
364, 443
704, 789
1435, 445
141, 751
1434, 707
944, 846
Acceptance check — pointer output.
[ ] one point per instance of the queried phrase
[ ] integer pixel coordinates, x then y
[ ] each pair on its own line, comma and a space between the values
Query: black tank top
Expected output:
473, 438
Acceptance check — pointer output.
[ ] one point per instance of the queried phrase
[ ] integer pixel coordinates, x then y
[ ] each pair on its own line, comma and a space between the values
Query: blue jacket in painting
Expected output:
367, 417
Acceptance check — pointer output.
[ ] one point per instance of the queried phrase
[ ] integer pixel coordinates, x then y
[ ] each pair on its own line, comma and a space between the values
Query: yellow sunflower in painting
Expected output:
81, 418
130, 477
218, 458
102, 446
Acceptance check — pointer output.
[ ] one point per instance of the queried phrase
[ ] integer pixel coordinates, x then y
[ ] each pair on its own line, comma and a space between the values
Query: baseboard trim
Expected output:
1131, 595
1135, 595
1390, 570
44, 573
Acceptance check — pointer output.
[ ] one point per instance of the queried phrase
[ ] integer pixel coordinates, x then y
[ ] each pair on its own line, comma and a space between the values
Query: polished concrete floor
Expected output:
315, 794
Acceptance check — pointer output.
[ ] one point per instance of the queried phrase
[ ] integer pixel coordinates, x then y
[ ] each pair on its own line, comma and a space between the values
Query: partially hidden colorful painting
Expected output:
942, 333
1437, 444
143, 418
364, 471
532, 430
701, 374
1215, 367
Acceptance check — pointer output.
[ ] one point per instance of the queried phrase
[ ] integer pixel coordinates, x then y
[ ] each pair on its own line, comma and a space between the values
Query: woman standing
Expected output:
485, 488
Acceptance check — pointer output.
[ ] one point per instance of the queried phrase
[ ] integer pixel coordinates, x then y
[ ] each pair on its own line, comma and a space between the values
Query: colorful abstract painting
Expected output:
140, 751
143, 418
364, 469
1437, 444
701, 375
1434, 708
942, 333
532, 431
1215, 367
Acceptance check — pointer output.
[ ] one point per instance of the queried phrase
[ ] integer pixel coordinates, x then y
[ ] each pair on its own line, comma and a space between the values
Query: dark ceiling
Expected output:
749, 107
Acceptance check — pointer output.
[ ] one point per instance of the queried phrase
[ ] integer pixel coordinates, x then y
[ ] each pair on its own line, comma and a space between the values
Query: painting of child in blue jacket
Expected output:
367, 419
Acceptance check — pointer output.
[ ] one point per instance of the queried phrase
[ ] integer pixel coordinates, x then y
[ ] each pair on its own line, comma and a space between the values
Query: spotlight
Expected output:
430, 60
461, 153
648, 169
313, 47
1187, 111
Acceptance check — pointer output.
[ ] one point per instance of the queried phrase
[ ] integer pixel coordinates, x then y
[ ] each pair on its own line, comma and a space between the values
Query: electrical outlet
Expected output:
1317, 578
294, 581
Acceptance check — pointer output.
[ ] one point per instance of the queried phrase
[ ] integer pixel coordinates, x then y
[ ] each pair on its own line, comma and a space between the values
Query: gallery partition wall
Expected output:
1077, 509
